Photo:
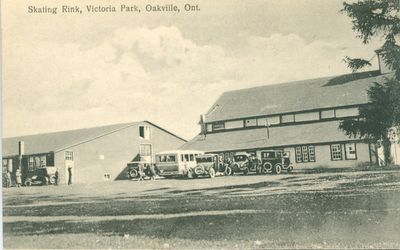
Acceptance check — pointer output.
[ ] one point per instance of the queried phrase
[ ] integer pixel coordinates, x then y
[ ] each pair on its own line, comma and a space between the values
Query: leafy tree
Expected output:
377, 18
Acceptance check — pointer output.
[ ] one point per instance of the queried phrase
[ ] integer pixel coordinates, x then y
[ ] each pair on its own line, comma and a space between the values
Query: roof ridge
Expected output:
299, 81
98, 136
71, 130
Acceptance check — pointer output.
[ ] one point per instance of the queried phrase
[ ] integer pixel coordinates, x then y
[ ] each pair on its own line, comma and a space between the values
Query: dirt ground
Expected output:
298, 210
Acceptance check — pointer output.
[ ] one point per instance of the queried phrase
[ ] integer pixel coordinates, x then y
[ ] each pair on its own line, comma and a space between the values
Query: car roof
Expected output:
181, 152
206, 155
242, 153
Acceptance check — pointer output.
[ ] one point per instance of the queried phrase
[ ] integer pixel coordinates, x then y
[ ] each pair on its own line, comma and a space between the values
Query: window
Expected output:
167, 158
287, 118
186, 157
31, 164
145, 149
69, 155
309, 116
311, 153
250, 122
234, 124
346, 112
336, 152
326, 114
351, 151
43, 161
191, 158
37, 161
107, 177
305, 153
218, 126
272, 120
144, 132
4, 165
299, 156
209, 127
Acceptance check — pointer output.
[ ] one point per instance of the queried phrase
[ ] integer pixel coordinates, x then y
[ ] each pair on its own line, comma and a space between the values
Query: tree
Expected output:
377, 18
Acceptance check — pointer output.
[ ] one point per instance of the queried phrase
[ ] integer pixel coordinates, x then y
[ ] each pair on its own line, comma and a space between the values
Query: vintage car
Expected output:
41, 176
207, 164
274, 161
135, 167
245, 163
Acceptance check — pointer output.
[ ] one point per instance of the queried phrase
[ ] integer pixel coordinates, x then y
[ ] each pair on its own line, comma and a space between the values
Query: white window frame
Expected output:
69, 155
145, 145
43, 161
107, 177
327, 114
350, 155
31, 163
305, 153
283, 118
336, 152
250, 122
146, 132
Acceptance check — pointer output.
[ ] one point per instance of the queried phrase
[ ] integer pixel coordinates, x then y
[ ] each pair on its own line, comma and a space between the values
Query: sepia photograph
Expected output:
200, 124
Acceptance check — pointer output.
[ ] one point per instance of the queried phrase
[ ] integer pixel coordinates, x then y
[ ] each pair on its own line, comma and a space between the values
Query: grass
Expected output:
357, 210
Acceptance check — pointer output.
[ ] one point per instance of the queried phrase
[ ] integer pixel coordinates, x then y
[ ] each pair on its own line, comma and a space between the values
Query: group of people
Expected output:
7, 179
149, 170
18, 178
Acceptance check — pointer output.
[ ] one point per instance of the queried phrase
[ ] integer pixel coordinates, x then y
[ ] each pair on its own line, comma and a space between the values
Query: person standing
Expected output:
18, 177
69, 175
8, 179
56, 176
141, 172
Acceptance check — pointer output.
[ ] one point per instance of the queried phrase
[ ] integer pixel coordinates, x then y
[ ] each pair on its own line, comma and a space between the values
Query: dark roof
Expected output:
304, 95
311, 133
57, 141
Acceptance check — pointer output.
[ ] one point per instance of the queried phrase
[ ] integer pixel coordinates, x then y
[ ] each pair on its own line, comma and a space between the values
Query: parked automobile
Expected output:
275, 161
207, 164
41, 176
245, 163
177, 162
134, 168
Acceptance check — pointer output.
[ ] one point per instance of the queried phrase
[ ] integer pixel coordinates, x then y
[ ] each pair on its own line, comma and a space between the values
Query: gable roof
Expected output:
279, 136
304, 95
57, 141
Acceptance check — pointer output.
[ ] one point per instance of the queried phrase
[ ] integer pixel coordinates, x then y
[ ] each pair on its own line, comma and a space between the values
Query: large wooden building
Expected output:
93, 154
300, 117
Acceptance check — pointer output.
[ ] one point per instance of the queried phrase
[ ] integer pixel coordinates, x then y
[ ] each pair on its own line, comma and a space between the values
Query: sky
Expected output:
70, 71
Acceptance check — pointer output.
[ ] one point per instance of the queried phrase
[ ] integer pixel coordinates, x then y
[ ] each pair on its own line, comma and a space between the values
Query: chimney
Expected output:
383, 68
21, 148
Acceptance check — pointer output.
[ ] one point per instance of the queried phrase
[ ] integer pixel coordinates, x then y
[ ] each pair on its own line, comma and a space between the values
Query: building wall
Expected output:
109, 154
323, 157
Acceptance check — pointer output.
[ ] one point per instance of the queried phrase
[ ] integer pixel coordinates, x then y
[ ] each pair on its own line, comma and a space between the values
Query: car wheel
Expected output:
198, 171
133, 173
52, 179
246, 171
278, 169
211, 172
290, 169
267, 168
28, 182
228, 171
